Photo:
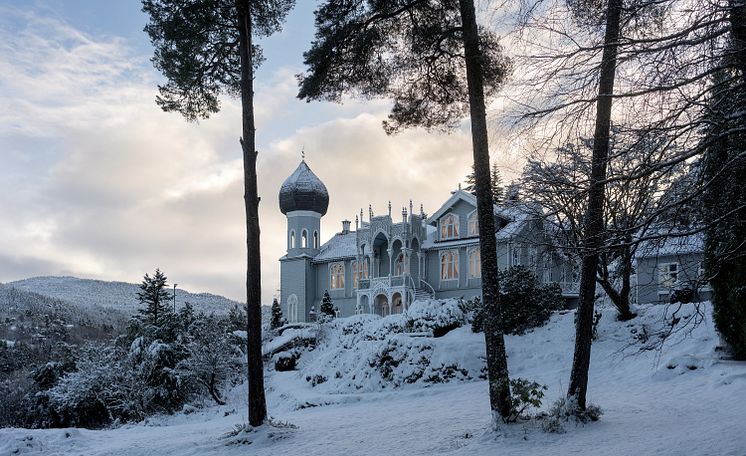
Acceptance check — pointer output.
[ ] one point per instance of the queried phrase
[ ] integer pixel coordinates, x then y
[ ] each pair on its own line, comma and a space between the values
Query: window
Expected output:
475, 264
292, 239
668, 274
315, 239
473, 224
400, 266
293, 307
449, 227
532, 258
359, 272
304, 239
337, 273
516, 255
449, 265
548, 273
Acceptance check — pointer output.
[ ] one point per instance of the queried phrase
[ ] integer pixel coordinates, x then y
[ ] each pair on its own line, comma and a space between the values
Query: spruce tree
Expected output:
327, 306
155, 297
725, 241
205, 49
277, 319
495, 183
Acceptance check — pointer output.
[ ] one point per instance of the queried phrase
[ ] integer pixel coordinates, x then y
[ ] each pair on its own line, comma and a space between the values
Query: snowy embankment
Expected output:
682, 399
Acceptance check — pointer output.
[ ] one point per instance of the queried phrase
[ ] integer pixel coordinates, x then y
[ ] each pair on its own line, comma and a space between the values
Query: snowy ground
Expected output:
683, 400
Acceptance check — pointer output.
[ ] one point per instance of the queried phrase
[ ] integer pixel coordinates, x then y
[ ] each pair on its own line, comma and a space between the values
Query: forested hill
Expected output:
120, 296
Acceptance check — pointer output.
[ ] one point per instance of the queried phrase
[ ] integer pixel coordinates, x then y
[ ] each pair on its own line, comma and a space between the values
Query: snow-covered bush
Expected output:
370, 353
524, 395
435, 316
525, 303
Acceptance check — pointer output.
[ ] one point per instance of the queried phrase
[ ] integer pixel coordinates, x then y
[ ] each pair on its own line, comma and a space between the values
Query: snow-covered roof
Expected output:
456, 196
341, 245
303, 191
673, 244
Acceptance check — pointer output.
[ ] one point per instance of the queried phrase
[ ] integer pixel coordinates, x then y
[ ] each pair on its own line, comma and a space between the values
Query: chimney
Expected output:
345, 226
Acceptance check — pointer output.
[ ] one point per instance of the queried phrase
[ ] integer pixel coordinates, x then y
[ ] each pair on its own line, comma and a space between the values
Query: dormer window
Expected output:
473, 224
449, 227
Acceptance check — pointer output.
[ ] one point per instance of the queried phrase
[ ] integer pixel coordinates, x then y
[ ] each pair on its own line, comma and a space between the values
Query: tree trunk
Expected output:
213, 391
576, 393
255, 368
497, 364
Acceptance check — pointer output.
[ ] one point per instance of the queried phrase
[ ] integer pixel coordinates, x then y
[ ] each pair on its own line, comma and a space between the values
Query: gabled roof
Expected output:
461, 195
672, 245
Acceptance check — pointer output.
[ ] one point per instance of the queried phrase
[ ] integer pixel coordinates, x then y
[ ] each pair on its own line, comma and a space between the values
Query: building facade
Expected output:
388, 261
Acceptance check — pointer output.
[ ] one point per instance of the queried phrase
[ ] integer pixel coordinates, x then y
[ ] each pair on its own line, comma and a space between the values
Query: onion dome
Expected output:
303, 191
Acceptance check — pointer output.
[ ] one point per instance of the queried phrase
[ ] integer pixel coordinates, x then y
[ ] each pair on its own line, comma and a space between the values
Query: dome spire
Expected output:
303, 191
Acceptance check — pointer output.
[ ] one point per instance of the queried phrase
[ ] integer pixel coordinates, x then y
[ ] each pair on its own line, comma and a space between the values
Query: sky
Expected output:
97, 182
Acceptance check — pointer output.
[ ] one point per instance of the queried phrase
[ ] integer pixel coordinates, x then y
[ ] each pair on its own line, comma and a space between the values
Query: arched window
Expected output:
516, 256
315, 239
400, 266
293, 308
449, 265
449, 227
475, 263
337, 275
473, 224
304, 239
292, 239
359, 272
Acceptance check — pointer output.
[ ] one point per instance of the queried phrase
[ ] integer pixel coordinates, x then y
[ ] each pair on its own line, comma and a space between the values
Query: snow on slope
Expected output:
654, 404
117, 295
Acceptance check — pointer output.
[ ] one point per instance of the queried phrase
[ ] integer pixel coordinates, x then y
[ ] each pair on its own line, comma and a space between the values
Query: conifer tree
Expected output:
327, 307
155, 297
495, 183
437, 65
205, 49
277, 319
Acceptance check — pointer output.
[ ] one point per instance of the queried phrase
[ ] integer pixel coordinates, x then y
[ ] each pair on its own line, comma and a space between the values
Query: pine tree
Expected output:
155, 297
327, 306
495, 182
438, 66
277, 319
205, 49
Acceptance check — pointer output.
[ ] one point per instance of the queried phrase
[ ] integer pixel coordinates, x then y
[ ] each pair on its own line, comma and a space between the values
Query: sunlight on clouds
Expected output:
120, 187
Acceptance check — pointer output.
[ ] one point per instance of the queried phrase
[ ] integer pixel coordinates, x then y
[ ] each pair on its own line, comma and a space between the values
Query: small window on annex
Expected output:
337, 276
668, 274
449, 227
449, 265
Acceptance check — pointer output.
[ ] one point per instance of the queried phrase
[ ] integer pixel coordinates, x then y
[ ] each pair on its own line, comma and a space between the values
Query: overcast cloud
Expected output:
97, 182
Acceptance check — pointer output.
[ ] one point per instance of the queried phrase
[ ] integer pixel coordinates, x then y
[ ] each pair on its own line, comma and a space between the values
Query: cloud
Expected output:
103, 184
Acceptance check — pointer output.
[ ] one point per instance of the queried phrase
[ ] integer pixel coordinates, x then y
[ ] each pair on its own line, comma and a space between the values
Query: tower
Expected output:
304, 200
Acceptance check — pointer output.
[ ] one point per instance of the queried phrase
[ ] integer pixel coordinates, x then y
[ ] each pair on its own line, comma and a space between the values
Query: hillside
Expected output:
683, 399
120, 296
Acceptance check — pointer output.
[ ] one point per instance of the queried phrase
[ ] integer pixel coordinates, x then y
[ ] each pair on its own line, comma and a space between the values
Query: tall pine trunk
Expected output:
594, 231
255, 368
497, 364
